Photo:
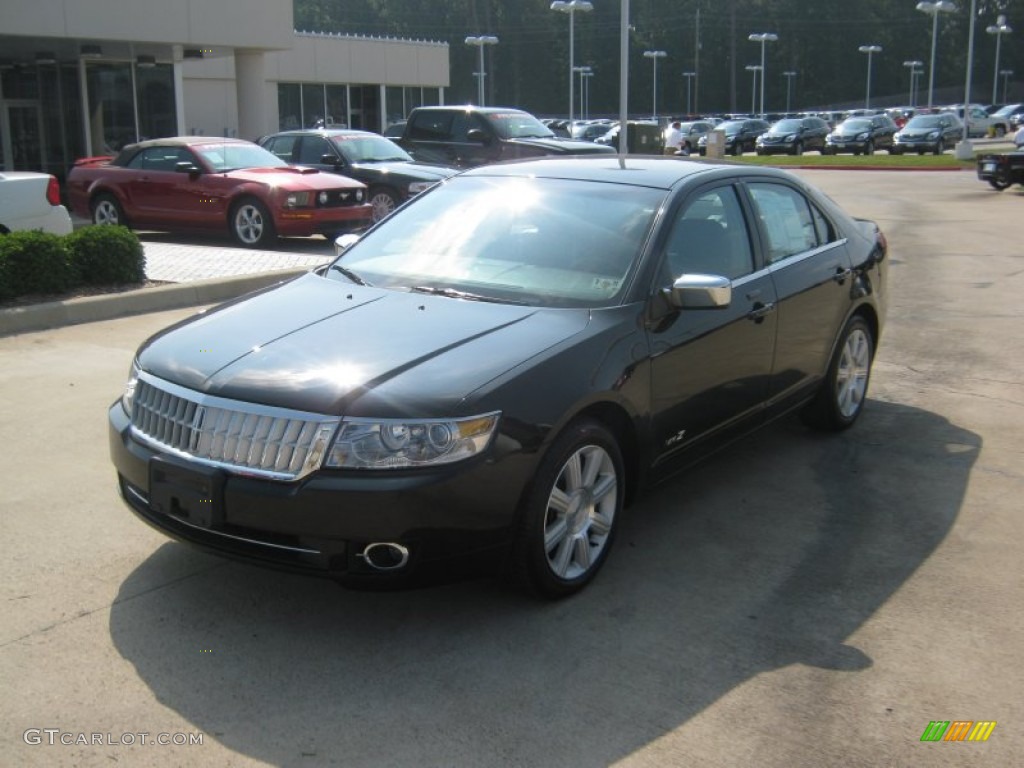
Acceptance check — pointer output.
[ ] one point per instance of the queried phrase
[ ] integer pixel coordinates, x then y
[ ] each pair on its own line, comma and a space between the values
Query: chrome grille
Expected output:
277, 443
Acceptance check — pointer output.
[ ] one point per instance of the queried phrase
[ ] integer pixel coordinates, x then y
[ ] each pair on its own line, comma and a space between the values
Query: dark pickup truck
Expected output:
466, 136
1000, 171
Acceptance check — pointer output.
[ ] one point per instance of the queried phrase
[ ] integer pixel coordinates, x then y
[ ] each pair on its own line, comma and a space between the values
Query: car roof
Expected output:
639, 170
184, 141
471, 108
326, 132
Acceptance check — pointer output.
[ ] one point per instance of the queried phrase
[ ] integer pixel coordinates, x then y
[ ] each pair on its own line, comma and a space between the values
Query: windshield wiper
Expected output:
350, 275
453, 293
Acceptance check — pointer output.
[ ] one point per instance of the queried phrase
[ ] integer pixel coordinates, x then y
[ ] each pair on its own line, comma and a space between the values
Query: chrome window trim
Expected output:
786, 262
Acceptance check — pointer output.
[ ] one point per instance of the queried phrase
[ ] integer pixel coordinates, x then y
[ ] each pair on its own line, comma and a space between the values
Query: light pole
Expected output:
689, 80
480, 41
585, 76
654, 56
571, 7
1006, 73
762, 38
789, 86
755, 68
998, 29
915, 70
934, 8
869, 50
581, 71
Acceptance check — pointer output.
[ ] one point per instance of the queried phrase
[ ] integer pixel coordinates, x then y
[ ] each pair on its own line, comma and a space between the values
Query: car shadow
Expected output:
772, 553
315, 244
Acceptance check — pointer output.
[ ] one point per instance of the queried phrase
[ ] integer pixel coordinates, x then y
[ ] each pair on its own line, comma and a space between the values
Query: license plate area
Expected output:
194, 495
988, 167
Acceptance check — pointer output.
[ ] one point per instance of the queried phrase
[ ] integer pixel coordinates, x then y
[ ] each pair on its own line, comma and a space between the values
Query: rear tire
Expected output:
567, 523
841, 398
107, 210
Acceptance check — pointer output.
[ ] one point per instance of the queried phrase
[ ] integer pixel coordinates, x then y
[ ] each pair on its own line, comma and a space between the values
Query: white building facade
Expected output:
86, 77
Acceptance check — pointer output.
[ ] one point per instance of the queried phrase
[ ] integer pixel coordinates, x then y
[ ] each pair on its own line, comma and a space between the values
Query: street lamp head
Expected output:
763, 37
939, 6
870, 49
569, 6
1000, 27
481, 40
655, 54
753, 67
913, 64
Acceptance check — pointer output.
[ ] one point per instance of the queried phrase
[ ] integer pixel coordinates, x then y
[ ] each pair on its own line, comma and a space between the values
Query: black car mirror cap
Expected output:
330, 159
697, 291
187, 167
478, 136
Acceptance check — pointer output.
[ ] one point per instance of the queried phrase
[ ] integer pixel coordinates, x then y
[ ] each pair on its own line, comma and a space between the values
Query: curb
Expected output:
89, 309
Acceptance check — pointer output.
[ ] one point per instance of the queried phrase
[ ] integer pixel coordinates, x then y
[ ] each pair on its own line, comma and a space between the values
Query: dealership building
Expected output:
86, 77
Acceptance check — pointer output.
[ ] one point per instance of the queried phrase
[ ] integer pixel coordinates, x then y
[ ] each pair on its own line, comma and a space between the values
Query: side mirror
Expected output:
343, 242
330, 159
186, 167
477, 136
700, 292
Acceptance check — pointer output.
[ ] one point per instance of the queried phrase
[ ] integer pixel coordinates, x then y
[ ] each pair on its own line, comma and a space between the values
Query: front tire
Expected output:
798, 148
999, 183
251, 224
940, 147
107, 210
869, 148
840, 399
568, 519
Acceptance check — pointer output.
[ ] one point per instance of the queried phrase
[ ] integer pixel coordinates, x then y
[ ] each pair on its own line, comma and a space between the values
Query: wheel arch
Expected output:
617, 420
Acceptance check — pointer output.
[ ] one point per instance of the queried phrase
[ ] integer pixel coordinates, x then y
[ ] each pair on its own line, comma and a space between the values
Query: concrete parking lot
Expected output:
798, 601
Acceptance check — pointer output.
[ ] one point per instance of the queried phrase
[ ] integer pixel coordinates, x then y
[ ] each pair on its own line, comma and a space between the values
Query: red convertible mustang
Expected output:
204, 183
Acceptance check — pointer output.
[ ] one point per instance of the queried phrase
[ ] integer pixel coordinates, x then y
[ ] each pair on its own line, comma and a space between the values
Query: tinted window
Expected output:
431, 126
160, 158
312, 149
710, 237
786, 217
282, 146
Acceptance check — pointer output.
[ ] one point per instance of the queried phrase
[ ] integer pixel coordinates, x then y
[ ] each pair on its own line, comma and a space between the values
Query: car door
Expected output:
710, 368
810, 269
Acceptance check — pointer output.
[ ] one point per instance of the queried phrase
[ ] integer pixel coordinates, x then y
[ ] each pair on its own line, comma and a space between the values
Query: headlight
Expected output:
420, 186
397, 443
862, 137
897, 136
128, 397
299, 200
933, 135
791, 137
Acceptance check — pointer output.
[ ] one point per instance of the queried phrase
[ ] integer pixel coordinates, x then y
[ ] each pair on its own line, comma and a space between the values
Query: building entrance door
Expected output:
21, 133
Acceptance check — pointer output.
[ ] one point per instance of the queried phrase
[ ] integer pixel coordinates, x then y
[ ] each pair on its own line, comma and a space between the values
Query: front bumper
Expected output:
321, 524
301, 222
838, 146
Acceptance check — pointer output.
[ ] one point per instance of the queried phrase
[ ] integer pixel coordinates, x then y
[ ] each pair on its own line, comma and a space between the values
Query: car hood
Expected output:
403, 169
336, 348
292, 177
557, 145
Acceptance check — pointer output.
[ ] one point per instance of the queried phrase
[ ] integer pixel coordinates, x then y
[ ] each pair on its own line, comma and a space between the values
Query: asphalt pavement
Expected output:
799, 601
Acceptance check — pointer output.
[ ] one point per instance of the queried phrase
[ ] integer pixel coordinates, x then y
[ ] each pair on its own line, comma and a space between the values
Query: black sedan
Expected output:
492, 372
793, 136
390, 173
862, 135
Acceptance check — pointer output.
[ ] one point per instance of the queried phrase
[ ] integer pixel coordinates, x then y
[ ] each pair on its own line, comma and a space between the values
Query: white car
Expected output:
31, 201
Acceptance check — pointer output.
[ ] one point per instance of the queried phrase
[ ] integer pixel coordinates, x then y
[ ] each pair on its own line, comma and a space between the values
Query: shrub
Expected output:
104, 254
34, 262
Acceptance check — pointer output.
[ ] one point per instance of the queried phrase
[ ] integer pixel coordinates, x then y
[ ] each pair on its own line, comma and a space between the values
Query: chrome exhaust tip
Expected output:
385, 556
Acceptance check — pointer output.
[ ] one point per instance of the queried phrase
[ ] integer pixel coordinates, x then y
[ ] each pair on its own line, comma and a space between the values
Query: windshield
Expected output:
543, 242
787, 126
369, 149
731, 127
923, 121
1006, 111
856, 124
231, 157
518, 125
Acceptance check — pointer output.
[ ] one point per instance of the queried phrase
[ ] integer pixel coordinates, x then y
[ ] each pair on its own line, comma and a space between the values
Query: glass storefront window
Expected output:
312, 105
337, 106
155, 97
289, 106
111, 111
